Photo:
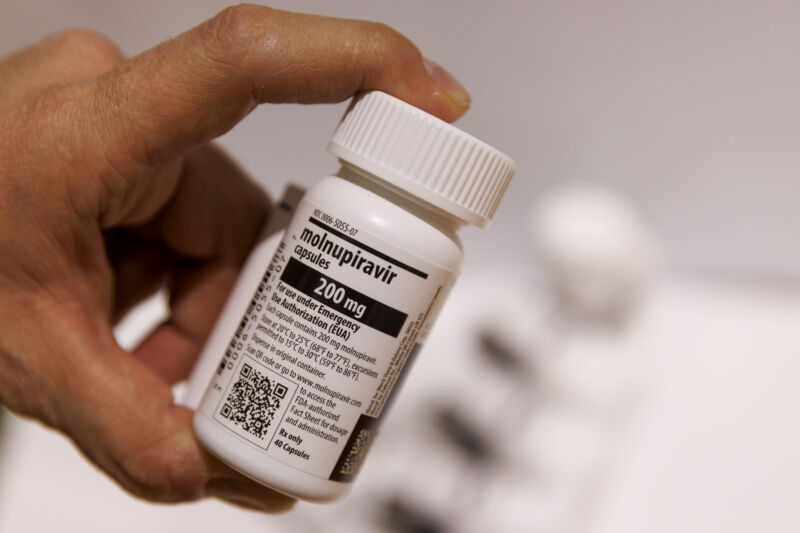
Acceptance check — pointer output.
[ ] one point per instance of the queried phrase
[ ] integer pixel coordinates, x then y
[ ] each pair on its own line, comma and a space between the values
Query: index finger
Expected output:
196, 86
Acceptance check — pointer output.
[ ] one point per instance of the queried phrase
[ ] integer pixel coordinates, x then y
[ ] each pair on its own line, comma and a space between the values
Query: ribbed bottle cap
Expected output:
423, 156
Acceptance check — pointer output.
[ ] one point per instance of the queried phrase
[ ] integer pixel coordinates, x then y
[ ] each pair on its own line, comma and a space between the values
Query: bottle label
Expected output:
324, 343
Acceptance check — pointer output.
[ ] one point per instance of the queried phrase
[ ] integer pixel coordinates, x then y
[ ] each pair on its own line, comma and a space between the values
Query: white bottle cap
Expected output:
423, 156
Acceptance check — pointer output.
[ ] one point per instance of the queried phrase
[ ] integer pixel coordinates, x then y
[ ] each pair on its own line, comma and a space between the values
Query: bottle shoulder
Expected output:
387, 220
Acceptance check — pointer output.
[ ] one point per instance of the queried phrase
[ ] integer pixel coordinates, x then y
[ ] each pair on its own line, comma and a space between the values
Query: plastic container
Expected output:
364, 265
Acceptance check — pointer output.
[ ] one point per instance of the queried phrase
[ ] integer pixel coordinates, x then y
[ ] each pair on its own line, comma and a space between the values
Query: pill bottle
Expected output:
342, 308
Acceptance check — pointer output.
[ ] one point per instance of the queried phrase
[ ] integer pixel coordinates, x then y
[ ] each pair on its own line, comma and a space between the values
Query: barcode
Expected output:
237, 342
253, 400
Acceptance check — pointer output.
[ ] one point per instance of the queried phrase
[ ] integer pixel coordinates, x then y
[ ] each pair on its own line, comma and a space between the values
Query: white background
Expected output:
690, 106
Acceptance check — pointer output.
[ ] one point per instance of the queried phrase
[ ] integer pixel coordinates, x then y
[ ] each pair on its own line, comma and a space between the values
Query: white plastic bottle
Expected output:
362, 269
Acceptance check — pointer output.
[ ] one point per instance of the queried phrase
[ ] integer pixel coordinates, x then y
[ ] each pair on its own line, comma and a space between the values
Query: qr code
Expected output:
253, 401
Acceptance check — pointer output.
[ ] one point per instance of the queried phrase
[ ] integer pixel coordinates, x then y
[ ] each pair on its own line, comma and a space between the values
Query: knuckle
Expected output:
382, 44
36, 121
234, 30
174, 477
88, 43
383, 37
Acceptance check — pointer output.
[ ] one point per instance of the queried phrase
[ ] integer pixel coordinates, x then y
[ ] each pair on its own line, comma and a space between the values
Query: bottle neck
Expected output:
434, 216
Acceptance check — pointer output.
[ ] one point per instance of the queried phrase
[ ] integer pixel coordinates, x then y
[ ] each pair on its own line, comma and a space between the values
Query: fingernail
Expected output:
448, 84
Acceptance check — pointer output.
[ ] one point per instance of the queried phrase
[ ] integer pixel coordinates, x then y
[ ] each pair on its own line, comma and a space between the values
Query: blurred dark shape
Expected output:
506, 358
402, 517
475, 444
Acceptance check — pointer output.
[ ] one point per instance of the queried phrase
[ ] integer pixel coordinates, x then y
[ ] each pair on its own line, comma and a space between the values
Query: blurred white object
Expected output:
596, 246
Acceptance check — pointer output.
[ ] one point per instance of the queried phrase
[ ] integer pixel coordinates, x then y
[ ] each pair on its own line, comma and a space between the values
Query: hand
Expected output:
110, 190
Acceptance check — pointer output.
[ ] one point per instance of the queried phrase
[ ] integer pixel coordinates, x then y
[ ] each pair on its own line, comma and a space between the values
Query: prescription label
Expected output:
324, 343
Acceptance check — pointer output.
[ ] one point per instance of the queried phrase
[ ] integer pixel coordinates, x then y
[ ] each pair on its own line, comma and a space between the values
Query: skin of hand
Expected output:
109, 190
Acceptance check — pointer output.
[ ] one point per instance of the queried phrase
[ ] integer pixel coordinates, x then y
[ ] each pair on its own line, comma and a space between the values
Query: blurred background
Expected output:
622, 351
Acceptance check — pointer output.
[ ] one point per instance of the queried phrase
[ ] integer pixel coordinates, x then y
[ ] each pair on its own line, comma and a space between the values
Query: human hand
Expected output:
110, 190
